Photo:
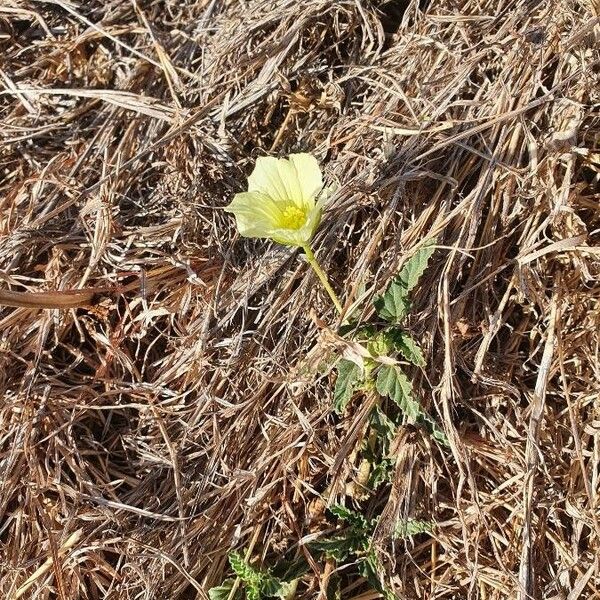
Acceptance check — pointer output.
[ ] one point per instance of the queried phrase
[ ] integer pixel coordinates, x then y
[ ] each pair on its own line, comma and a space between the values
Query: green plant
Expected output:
381, 349
353, 544
388, 346
257, 584
350, 545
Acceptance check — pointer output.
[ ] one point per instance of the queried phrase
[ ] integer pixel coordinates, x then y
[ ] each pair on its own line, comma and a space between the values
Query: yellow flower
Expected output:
281, 202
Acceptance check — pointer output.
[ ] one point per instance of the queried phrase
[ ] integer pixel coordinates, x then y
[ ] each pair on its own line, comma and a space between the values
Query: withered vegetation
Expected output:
166, 416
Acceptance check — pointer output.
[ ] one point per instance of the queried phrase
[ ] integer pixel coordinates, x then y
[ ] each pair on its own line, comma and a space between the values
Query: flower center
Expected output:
292, 218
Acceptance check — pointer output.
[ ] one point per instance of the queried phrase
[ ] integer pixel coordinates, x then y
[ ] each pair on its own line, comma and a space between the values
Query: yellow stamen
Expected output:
292, 218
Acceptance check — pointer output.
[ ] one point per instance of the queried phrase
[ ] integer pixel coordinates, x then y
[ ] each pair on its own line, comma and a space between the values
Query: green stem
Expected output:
312, 261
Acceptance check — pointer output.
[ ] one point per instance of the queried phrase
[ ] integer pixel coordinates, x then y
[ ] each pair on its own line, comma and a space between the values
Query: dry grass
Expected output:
144, 437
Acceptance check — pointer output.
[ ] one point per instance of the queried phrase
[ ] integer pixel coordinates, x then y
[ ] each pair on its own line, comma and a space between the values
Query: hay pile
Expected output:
146, 436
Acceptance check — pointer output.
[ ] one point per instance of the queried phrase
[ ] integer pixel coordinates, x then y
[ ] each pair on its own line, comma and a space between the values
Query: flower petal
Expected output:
287, 237
281, 202
256, 214
314, 219
266, 178
309, 174
289, 177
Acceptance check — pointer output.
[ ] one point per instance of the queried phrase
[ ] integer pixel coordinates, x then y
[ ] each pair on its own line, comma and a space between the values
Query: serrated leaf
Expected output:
250, 577
371, 569
341, 547
240, 567
410, 350
382, 472
406, 528
223, 591
393, 305
348, 376
402, 342
351, 517
415, 266
382, 465
434, 429
349, 541
258, 584
394, 384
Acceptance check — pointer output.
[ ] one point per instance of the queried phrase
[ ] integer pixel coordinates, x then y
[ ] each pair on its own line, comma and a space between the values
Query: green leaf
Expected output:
393, 305
410, 349
252, 578
347, 544
383, 425
383, 472
372, 570
272, 587
341, 547
379, 344
288, 570
242, 569
223, 591
382, 465
349, 375
349, 541
259, 584
415, 266
353, 518
406, 528
394, 384
435, 430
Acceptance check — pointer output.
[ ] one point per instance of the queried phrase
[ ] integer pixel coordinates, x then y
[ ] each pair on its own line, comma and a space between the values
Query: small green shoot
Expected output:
353, 545
223, 591
257, 584
350, 546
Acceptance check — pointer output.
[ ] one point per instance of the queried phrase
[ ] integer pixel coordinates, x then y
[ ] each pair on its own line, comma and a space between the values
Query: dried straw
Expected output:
146, 435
